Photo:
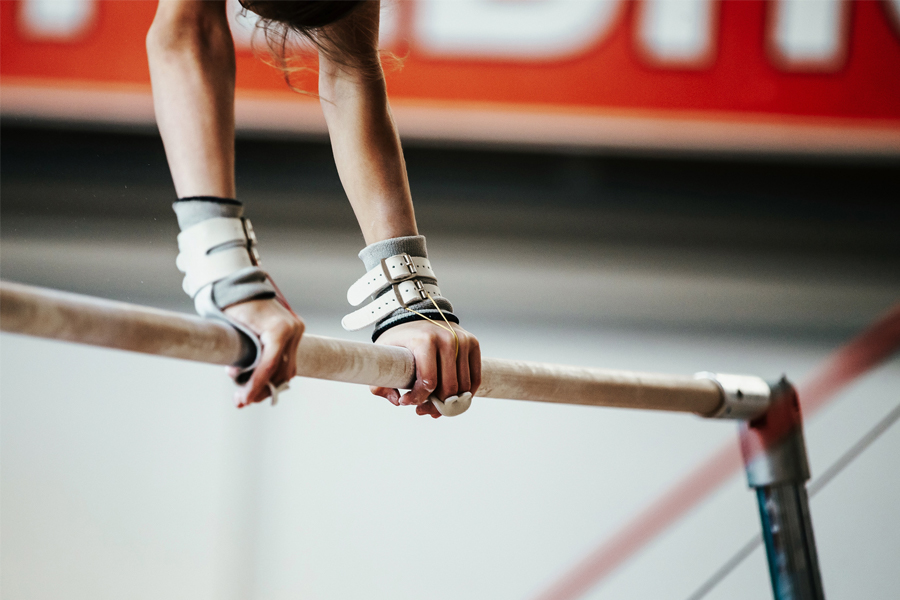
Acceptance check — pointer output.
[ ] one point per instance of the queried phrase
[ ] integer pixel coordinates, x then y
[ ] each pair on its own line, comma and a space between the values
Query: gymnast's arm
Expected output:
192, 69
372, 170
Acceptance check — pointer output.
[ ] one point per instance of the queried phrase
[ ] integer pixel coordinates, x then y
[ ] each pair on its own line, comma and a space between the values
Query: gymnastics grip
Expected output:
453, 405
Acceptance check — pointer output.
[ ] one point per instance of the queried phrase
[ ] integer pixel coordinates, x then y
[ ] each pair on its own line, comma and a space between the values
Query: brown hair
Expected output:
288, 23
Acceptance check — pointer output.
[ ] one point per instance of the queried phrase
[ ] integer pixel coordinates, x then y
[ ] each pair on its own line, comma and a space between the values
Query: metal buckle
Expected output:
418, 288
248, 231
407, 262
250, 234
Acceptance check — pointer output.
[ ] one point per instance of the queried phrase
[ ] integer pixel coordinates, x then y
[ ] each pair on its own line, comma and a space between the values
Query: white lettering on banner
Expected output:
809, 34
243, 25
532, 30
677, 31
61, 20
803, 35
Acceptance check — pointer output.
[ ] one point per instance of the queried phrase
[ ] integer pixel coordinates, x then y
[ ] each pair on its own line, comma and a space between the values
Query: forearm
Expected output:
367, 149
371, 167
192, 69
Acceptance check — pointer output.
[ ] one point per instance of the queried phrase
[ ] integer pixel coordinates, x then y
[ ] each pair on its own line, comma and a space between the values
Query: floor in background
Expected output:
131, 476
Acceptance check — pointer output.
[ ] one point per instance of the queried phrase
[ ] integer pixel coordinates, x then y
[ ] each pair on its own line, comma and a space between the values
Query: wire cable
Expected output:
448, 327
816, 486
723, 572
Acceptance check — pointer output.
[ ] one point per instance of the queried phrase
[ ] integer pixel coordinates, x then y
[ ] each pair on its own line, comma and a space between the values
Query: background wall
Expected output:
133, 476
782, 76
654, 185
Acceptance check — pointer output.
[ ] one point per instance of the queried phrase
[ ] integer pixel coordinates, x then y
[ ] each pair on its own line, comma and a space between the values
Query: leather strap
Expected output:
394, 269
404, 294
206, 307
209, 268
208, 234
199, 258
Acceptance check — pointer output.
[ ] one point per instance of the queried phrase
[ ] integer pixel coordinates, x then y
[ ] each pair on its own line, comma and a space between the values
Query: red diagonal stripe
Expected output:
866, 351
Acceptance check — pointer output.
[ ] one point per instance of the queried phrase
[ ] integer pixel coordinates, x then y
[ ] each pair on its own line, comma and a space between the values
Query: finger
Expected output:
448, 381
392, 395
428, 408
279, 374
474, 365
426, 374
463, 376
287, 369
257, 389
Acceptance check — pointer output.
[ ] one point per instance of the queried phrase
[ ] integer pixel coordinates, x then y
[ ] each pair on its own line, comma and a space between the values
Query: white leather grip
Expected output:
405, 293
206, 306
395, 269
201, 265
454, 405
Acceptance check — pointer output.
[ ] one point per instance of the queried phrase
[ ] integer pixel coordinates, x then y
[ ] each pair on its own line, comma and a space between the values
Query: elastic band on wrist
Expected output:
210, 199
408, 317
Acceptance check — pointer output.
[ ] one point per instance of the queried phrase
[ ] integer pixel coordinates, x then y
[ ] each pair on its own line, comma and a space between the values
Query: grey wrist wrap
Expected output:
414, 245
248, 282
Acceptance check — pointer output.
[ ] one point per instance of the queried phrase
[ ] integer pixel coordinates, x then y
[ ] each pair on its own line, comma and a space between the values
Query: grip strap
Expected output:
218, 255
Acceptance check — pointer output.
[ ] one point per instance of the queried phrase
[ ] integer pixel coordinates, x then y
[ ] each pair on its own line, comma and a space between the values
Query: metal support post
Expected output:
775, 459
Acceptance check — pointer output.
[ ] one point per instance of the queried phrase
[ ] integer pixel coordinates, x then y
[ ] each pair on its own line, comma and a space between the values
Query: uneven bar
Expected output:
52, 314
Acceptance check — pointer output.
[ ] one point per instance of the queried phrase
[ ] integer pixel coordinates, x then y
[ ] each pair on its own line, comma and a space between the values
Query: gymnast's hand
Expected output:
280, 331
438, 369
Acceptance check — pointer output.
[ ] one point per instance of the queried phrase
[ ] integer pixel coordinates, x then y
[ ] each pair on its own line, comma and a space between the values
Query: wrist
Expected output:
402, 287
218, 255
212, 227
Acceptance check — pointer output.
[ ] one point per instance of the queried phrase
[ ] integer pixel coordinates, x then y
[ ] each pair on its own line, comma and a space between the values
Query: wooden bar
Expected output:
81, 319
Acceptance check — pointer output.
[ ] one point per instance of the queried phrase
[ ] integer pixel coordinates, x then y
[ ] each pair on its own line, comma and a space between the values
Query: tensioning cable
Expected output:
816, 486
446, 327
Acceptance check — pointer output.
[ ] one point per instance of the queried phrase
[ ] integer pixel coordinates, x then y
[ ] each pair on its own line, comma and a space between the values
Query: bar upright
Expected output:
777, 468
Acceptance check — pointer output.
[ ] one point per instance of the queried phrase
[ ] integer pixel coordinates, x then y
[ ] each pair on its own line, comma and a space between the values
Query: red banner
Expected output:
779, 75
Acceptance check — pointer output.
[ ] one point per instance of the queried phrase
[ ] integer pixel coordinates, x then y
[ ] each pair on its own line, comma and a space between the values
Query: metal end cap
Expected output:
744, 397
